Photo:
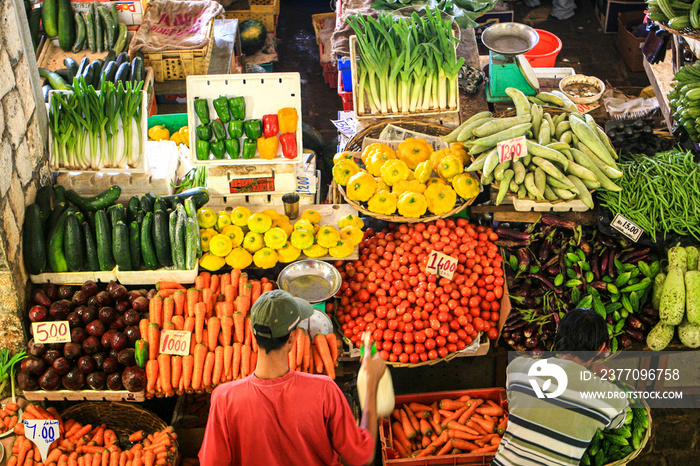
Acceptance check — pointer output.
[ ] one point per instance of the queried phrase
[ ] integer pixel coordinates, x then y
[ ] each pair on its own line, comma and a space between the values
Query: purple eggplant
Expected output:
634, 255
634, 322
594, 266
509, 233
610, 320
558, 222
517, 336
585, 247
530, 330
531, 342
634, 334
648, 320
545, 282
625, 342
553, 270
598, 285
611, 263
523, 259
603, 262
509, 243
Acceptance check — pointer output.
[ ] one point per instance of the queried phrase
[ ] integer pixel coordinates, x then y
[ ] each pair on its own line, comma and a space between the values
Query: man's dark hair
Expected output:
581, 330
271, 344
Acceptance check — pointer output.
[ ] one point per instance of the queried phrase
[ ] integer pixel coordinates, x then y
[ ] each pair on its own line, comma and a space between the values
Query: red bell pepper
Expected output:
270, 125
289, 145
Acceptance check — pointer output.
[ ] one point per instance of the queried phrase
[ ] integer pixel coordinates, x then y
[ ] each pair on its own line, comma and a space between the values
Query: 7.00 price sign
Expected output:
441, 264
175, 342
51, 332
43, 432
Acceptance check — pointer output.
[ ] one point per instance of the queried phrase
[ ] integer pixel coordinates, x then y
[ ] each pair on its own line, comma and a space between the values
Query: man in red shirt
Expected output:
281, 417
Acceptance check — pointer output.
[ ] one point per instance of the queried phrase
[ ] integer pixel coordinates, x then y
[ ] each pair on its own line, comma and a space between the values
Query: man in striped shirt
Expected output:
556, 427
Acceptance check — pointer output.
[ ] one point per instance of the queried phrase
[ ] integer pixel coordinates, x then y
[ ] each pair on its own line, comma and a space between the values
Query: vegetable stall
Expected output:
448, 226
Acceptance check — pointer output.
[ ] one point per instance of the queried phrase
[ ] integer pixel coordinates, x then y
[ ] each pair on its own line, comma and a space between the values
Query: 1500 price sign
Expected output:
51, 332
627, 227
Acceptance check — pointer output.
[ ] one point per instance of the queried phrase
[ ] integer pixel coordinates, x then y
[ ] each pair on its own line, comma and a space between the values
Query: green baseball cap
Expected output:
276, 313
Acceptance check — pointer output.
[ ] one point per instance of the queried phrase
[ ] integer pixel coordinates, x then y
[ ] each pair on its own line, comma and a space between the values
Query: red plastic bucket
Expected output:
544, 54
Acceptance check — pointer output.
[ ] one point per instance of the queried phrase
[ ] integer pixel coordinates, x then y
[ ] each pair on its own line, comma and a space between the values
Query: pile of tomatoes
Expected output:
415, 316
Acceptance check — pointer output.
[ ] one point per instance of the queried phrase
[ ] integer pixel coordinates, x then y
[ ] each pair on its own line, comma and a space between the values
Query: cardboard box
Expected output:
607, 12
628, 45
491, 18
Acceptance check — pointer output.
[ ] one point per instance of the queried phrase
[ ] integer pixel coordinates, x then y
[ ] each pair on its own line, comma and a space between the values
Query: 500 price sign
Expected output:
43, 433
51, 332
441, 264
175, 342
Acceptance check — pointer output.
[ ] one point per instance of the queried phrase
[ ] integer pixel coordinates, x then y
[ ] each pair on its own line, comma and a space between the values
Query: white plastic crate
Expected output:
264, 93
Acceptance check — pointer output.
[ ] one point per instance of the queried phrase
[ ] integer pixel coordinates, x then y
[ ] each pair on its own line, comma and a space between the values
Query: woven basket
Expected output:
123, 418
645, 439
355, 145
685, 32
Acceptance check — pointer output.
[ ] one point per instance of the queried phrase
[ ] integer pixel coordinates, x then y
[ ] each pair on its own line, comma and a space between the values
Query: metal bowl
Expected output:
310, 279
510, 38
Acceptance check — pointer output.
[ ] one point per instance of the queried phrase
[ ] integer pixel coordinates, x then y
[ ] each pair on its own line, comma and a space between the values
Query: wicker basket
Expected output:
645, 439
688, 32
355, 145
123, 418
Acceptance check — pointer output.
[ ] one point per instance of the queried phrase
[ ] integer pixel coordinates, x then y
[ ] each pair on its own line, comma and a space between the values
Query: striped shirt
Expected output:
554, 431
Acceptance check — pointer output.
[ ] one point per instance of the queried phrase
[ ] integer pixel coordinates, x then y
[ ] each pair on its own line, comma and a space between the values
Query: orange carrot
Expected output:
468, 413
452, 405
300, 333
192, 299
165, 285
307, 359
325, 353
476, 426
54, 455
318, 362
214, 284
175, 371
190, 324
242, 304
239, 325
151, 375
200, 356
179, 300
213, 328
408, 428
187, 371
245, 360
417, 407
166, 293
454, 425
81, 432
268, 286
168, 309
454, 416
208, 369
136, 436
242, 280
463, 444
143, 328
455, 433
399, 435
206, 277
153, 337
218, 365
446, 448
206, 299
235, 281
155, 310
199, 282
229, 293
224, 281
502, 424
226, 329
333, 346
253, 341
99, 437
425, 427
228, 362
199, 316
488, 426
168, 325
496, 411
256, 291
179, 322
236, 364
486, 449
412, 418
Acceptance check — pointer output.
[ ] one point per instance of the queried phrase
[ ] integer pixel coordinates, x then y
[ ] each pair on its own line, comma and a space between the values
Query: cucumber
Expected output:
71, 68
34, 22
97, 24
91, 261
121, 38
49, 17
56, 81
120, 246
200, 196
116, 214
135, 244
56, 256
33, 241
178, 242
80, 33
104, 241
43, 200
161, 238
108, 74
137, 73
106, 17
192, 213
92, 204
147, 203
148, 252
159, 204
132, 208
66, 25
115, 18
172, 224
90, 218
73, 244
90, 29
56, 213
191, 235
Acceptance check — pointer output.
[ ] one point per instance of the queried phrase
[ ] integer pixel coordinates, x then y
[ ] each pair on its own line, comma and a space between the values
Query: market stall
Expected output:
475, 199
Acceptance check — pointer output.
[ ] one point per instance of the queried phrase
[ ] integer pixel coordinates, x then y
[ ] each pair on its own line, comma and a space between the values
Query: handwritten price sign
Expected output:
43, 433
175, 342
441, 264
512, 149
626, 227
51, 332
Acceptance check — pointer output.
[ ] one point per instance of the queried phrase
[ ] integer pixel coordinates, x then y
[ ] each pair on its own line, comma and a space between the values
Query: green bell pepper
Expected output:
252, 128
233, 147
249, 147
221, 107
202, 149
237, 107
141, 353
235, 128
201, 108
219, 130
204, 132
218, 149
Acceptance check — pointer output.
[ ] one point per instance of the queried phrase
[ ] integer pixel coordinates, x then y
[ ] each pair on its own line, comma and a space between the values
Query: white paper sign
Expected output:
347, 126
43, 432
626, 227
175, 342
512, 149
441, 264
51, 332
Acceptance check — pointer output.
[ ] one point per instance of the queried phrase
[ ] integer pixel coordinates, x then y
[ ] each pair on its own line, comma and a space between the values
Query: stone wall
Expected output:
23, 162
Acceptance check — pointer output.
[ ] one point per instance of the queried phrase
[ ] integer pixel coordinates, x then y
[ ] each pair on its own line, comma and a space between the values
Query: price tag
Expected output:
175, 342
441, 264
346, 126
512, 149
626, 227
51, 332
43, 432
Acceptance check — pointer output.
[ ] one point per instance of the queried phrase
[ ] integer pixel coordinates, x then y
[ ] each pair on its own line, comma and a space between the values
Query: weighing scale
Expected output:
507, 66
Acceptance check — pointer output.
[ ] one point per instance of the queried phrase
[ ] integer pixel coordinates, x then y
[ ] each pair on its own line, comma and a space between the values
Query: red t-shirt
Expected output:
297, 419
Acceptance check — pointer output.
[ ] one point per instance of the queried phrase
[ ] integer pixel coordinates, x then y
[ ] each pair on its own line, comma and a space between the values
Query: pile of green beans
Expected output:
660, 193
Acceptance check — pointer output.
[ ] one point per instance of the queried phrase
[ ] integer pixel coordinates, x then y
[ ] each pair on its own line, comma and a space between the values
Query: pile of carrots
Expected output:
448, 427
319, 356
8, 417
87, 445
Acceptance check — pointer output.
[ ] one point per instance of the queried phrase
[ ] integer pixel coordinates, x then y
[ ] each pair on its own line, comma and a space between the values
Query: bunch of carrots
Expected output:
8, 417
87, 445
319, 356
448, 427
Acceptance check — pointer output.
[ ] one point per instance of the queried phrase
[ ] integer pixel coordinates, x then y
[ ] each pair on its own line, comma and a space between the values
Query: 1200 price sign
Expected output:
512, 149
51, 332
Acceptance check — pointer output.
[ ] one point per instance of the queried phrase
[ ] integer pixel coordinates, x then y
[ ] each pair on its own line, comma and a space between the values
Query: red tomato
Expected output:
432, 354
478, 324
414, 358
492, 333
397, 348
430, 343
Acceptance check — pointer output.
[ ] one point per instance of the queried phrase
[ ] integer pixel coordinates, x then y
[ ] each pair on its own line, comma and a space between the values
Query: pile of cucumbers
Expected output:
97, 233
684, 99
611, 445
97, 29
676, 14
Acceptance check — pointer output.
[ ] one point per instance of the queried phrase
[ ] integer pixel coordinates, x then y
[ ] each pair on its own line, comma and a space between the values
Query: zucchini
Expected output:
135, 244
200, 196
104, 241
108, 36
49, 17
98, 27
73, 244
56, 213
137, 73
132, 208
71, 68
90, 29
120, 246
123, 73
148, 252
80, 33
147, 203
108, 74
43, 200
161, 238
66, 25
55, 80
55, 254
90, 218
122, 57
159, 204
191, 235
178, 242
92, 204
34, 22
91, 261
121, 38
191, 210
33, 241
116, 213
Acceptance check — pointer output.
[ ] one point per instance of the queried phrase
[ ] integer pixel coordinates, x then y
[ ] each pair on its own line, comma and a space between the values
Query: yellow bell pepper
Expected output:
267, 147
450, 166
361, 186
377, 148
458, 147
394, 171
412, 205
465, 185
423, 170
343, 170
287, 118
382, 202
414, 151
441, 198
404, 186
158, 132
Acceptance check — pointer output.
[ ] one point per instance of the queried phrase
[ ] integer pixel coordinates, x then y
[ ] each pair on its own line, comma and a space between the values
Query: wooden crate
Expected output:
265, 11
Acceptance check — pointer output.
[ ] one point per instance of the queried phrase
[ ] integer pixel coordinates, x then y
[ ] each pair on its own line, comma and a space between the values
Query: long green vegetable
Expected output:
7, 368
464, 12
659, 193
406, 65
